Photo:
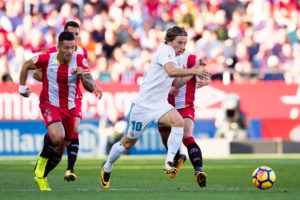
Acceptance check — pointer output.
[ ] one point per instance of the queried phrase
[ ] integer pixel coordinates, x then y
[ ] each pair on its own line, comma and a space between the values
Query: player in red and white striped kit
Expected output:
61, 72
73, 148
183, 100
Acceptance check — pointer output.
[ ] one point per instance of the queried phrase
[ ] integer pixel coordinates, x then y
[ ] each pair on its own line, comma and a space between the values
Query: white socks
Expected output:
115, 152
174, 142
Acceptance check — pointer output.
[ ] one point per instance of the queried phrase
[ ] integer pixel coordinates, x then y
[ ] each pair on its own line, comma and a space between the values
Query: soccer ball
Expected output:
263, 177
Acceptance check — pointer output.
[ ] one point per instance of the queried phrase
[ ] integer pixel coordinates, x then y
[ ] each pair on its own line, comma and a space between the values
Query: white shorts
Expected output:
139, 118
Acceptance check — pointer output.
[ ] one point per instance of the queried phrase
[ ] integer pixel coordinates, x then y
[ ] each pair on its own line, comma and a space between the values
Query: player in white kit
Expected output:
151, 103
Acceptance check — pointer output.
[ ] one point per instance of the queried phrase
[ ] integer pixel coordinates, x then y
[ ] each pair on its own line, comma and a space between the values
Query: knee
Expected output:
187, 133
58, 140
128, 143
127, 146
76, 129
179, 122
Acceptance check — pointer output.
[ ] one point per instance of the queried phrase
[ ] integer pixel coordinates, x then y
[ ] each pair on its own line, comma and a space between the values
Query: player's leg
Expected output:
164, 134
56, 132
50, 155
68, 123
172, 119
72, 151
137, 122
179, 158
194, 151
116, 151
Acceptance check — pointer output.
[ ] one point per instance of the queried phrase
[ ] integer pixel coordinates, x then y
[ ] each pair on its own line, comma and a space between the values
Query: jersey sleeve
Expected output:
165, 55
81, 62
52, 49
41, 60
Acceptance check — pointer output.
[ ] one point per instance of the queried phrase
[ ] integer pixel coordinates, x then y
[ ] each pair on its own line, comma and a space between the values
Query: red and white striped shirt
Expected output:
79, 50
59, 80
186, 95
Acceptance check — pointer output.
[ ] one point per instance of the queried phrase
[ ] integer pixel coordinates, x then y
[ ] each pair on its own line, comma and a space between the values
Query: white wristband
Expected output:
22, 89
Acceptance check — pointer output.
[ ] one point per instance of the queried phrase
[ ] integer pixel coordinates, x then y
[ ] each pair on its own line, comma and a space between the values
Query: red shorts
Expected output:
187, 112
53, 114
78, 105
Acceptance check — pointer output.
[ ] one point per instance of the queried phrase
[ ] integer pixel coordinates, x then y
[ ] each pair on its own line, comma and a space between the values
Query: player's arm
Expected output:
86, 79
97, 90
182, 75
180, 81
172, 71
37, 75
28, 65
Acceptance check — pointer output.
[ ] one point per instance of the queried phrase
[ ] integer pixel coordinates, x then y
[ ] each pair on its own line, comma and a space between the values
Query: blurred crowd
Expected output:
242, 40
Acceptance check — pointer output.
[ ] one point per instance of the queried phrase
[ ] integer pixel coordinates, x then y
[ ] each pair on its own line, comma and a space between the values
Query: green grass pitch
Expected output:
142, 178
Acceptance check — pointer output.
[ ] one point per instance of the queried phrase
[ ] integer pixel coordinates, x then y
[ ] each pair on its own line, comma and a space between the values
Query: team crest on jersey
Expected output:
35, 59
170, 57
131, 133
47, 114
49, 118
84, 62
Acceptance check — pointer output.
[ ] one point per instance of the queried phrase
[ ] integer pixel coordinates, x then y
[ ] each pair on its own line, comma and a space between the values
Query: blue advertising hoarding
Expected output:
18, 138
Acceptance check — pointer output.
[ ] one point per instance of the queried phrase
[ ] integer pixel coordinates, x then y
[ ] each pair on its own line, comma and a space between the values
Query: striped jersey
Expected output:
59, 80
186, 95
79, 50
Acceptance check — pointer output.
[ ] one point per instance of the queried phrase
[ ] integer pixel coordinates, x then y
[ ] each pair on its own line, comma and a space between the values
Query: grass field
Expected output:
142, 178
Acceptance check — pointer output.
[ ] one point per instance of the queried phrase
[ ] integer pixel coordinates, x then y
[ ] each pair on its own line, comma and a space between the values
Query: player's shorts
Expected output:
139, 118
187, 112
78, 105
52, 114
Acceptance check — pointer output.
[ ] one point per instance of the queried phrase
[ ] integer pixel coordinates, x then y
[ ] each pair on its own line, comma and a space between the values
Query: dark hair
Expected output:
173, 32
65, 36
72, 24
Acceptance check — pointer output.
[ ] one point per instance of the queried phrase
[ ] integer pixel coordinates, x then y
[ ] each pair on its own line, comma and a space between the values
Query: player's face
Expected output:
66, 49
75, 32
179, 44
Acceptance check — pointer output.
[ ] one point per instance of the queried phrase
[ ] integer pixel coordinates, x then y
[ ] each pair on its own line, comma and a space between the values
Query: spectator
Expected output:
218, 27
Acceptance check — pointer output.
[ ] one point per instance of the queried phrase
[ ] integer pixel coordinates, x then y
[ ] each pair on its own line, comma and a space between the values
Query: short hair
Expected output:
72, 24
65, 36
173, 32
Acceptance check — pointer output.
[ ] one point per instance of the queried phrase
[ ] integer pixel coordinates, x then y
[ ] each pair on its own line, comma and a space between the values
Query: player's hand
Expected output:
24, 91
202, 82
202, 62
98, 92
80, 71
203, 73
174, 91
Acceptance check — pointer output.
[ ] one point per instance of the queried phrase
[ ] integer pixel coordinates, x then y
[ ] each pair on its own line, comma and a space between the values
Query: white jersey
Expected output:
157, 84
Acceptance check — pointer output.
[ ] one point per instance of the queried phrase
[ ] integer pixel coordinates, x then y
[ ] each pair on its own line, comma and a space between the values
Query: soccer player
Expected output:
61, 71
72, 149
151, 103
183, 100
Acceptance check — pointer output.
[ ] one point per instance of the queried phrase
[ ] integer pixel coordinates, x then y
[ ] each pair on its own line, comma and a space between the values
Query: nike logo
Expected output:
102, 181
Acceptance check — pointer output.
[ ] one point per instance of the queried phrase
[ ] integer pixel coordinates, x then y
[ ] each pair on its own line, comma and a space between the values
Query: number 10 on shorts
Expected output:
136, 126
